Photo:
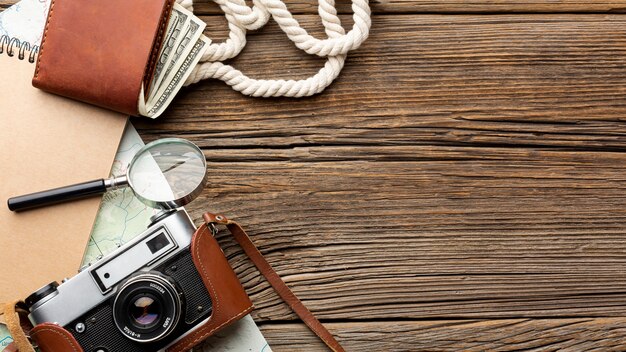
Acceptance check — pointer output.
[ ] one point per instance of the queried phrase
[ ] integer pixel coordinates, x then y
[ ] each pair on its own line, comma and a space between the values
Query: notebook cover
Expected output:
101, 52
47, 141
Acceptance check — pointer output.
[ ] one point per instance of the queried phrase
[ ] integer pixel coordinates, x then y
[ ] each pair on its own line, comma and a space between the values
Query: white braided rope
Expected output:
188, 4
242, 18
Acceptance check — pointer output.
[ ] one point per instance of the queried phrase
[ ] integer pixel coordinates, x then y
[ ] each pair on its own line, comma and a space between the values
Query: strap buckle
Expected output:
212, 220
213, 228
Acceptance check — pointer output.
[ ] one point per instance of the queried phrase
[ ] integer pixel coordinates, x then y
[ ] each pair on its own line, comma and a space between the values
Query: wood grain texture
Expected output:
445, 237
529, 80
460, 187
205, 7
465, 335
444, 6
462, 167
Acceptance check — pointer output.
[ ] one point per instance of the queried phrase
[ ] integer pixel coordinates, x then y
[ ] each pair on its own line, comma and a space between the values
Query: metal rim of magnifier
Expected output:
175, 203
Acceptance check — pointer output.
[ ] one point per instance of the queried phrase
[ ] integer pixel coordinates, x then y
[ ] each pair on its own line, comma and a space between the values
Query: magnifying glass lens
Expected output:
167, 173
166, 170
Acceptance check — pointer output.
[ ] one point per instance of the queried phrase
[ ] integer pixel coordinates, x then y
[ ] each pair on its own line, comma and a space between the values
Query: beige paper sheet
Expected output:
47, 141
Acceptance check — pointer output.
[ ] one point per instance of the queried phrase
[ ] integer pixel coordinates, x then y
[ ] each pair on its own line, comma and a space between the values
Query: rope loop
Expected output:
242, 18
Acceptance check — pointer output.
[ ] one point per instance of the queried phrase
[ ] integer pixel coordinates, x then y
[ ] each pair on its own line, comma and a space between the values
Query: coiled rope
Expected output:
242, 18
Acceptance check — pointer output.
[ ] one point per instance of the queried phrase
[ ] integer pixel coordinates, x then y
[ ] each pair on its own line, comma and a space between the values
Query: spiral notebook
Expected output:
46, 141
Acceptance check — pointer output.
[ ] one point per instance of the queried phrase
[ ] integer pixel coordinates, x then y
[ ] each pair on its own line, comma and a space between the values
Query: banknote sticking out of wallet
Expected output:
128, 56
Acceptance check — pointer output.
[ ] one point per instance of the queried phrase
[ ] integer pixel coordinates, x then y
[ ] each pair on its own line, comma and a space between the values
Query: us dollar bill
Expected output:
191, 31
175, 27
183, 47
170, 87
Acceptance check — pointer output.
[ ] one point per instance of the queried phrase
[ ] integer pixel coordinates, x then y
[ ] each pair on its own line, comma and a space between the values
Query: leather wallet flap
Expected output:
101, 52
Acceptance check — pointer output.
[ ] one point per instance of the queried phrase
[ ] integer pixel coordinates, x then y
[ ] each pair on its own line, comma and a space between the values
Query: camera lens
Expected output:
145, 311
147, 307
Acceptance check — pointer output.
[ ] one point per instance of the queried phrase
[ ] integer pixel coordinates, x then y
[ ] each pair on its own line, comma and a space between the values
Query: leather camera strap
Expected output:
274, 279
15, 316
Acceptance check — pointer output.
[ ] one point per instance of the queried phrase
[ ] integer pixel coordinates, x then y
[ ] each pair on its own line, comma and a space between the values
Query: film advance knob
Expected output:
41, 294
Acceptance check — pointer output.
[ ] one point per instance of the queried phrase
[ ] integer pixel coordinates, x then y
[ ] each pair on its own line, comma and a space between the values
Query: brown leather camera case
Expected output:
230, 301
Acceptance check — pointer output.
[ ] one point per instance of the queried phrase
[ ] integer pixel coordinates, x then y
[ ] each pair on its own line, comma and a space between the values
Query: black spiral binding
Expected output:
13, 45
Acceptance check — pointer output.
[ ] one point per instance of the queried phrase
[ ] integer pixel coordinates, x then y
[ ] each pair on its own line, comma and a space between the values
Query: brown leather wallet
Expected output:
101, 52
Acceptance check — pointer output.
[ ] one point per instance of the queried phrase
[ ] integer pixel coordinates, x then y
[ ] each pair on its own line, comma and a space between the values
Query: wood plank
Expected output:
450, 6
461, 167
530, 80
491, 234
463, 335
429, 6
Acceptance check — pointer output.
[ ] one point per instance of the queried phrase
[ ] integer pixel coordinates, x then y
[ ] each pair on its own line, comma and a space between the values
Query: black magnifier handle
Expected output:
57, 195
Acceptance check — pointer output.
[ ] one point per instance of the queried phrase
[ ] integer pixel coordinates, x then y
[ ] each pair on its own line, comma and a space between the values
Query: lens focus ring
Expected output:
147, 308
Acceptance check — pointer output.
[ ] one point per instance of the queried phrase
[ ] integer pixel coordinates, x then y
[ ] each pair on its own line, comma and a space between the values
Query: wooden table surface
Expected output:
460, 187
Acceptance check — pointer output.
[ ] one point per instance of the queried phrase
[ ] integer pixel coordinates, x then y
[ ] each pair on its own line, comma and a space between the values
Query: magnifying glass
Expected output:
167, 173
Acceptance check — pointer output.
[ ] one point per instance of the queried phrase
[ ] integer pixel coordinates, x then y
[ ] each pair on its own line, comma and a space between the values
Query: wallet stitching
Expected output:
43, 41
154, 54
58, 333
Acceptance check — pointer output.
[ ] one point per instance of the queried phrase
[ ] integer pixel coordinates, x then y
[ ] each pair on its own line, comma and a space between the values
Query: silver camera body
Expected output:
146, 295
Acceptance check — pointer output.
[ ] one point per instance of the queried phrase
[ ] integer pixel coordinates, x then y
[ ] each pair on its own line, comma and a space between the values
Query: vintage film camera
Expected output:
168, 289
145, 296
